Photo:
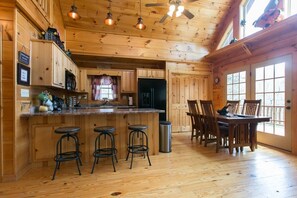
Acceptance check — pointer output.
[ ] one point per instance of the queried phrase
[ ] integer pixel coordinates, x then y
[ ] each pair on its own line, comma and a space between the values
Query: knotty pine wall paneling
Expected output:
7, 97
103, 44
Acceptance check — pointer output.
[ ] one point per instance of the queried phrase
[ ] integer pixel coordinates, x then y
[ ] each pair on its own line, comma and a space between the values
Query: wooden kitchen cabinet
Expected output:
150, 73
128, 82
58, 68
49, 63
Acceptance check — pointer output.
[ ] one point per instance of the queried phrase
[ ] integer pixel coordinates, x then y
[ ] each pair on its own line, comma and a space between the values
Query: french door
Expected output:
271, 82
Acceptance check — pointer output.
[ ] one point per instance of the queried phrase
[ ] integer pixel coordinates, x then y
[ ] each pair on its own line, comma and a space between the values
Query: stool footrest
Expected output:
67, 156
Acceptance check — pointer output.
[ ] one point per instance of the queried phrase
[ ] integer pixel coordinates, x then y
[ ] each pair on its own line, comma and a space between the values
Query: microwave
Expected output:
70, 81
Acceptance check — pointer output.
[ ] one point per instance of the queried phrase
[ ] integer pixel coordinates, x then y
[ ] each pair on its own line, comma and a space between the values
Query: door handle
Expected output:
288, 107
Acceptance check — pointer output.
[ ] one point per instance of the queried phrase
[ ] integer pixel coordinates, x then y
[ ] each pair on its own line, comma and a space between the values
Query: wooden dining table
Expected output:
249, 122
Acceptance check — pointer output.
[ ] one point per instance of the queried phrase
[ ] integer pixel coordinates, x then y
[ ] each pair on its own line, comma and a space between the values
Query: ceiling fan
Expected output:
174, 6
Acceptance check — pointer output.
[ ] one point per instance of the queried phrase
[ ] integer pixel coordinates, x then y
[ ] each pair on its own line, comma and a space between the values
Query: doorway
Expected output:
183, 87
271, 82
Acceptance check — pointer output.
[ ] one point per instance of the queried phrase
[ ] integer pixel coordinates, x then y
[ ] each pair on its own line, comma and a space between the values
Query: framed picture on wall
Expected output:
23, 75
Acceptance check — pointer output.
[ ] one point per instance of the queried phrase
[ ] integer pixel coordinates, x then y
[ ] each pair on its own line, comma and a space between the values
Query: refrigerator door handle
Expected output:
152, 98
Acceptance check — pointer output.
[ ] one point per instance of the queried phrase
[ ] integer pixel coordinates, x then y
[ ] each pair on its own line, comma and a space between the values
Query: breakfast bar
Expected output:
43, 139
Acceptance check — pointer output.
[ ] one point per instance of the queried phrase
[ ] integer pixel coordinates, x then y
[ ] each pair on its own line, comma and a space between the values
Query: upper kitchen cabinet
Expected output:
128, 81
49, 63
150, 73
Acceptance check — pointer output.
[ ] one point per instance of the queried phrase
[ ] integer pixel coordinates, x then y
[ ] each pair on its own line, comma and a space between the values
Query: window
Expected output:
236, 86
227, 38
104, 87
290, 7
252, 10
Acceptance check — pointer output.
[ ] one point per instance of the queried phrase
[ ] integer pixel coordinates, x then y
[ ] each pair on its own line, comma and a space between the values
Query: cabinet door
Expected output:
151, 73
43, 144
157, 73
128, 82
58, 69
83, 80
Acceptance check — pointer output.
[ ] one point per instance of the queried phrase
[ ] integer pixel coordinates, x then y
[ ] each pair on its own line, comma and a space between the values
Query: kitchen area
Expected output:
65, 95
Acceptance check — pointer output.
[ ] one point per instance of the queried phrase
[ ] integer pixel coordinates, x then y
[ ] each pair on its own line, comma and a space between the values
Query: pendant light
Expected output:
73, 12
108, 20
140, 25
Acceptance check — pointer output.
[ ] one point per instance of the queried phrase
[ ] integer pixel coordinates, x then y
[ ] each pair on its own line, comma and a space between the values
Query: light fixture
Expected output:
140, 25
108, 20
73, 12
171, 10
179, 11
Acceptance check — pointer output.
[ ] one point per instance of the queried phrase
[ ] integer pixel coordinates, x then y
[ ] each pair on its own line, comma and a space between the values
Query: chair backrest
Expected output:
251, 107
234, 105
210, 120
207, 108
193, 106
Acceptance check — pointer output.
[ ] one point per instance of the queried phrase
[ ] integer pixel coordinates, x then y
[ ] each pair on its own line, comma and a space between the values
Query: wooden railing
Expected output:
276, 113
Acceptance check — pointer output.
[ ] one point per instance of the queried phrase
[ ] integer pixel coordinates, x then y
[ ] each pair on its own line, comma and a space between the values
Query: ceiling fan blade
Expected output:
189, 1
188, 14
155, 4
163, 18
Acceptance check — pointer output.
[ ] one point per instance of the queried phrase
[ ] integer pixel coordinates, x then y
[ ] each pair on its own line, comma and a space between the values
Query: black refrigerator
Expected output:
152, 94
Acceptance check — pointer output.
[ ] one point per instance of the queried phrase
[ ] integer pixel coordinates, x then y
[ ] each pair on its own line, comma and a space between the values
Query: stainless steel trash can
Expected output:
165, 136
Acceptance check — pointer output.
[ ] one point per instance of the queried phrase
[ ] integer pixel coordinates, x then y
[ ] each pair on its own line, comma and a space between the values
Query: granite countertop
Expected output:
92, 111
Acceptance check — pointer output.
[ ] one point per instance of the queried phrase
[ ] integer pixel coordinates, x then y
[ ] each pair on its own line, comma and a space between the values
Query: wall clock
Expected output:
216, 80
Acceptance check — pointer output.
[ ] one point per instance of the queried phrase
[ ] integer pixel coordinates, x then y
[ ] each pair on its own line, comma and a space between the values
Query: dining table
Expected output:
242, 129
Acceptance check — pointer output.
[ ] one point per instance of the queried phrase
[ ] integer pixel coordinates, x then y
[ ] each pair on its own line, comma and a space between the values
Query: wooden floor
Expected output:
190, 170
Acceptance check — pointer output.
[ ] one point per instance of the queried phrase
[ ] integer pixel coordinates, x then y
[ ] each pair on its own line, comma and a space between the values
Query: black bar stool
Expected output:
138, 142
69, 133
100, 152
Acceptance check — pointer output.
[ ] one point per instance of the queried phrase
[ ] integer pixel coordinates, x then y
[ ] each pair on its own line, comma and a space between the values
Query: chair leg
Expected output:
54, 175
77, 164
93, 165
112, 160
148, 158
131, 160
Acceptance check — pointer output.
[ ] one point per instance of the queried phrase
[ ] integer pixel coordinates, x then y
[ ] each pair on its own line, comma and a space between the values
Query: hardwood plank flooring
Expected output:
190, 170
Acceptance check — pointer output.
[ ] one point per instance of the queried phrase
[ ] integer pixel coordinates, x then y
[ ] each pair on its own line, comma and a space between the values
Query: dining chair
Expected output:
213, 133
251, 107
233, 106
195, 115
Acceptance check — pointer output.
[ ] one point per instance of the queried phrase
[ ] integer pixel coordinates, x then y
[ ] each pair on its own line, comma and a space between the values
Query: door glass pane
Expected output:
242, 77
280, 84
269, 71
280, 70
259, 73
259, 86
269, 85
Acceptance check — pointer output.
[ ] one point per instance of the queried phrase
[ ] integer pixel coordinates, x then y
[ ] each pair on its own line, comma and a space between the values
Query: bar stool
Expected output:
138, 142
69, 133
100, 152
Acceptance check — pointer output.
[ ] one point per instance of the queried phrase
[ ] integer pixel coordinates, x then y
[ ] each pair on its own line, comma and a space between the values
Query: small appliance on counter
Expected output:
70, 81
130, 101
57, 103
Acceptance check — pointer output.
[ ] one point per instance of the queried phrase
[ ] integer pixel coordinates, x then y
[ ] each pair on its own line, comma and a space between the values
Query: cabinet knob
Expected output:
40, 78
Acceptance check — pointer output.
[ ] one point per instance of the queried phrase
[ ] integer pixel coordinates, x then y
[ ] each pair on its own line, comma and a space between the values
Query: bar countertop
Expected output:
93, 111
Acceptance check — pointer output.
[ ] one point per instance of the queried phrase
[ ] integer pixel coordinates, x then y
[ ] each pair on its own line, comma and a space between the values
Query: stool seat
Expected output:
137, 127
63, 130
104, 129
